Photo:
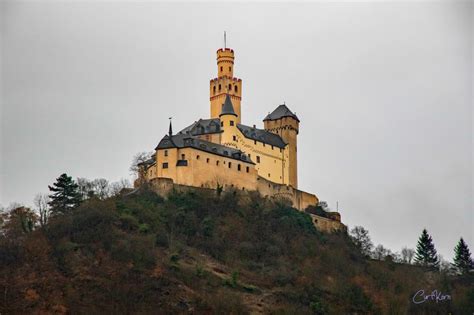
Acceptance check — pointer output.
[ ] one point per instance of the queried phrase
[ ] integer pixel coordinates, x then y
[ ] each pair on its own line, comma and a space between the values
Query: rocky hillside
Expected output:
204, 254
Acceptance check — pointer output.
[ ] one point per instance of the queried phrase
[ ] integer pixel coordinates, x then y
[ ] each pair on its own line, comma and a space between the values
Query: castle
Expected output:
222, 152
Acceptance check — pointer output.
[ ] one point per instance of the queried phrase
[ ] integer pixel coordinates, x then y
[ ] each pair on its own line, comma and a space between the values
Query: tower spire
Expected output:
170, 131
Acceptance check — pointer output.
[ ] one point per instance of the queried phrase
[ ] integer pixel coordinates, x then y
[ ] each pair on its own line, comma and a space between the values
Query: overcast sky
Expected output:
383, 91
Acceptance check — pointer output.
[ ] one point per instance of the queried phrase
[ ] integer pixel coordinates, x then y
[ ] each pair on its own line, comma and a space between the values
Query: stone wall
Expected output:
327, 225
299, 199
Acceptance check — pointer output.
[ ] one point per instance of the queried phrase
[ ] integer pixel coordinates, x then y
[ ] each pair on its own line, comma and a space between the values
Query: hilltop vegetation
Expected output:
207, 252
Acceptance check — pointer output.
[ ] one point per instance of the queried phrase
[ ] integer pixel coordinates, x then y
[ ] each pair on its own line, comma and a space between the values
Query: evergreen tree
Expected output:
425, 251
462, 258
65, 195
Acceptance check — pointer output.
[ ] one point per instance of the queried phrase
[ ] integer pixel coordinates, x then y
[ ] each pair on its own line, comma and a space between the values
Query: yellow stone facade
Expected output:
225, 83
221, 151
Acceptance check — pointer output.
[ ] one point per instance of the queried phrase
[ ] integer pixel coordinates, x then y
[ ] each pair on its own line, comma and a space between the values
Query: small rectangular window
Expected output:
197, 157
255, 142
272, 147
238, 167
166, 152
231, 122
165, 165
217, 163
183, 157
222, 124
234, 138
247, 169
230, 164
258, 159
207, 160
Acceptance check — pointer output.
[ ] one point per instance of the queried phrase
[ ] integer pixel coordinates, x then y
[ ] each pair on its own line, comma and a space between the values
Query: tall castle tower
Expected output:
224, 84
285, 123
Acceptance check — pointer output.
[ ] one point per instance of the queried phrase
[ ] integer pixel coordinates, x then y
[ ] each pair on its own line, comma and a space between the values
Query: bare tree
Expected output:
444, 265
361, 239
86, 188
42, 208
101, 187
381, 252
116, 187
138, 167
407, 255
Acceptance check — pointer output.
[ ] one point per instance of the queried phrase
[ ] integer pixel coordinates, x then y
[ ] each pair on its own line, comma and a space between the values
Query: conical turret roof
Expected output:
228, 108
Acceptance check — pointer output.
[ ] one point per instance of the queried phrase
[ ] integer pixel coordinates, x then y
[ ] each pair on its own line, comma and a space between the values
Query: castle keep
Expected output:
221, 151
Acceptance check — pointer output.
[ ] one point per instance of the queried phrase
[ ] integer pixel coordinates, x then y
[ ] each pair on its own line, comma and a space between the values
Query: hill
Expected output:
204, 253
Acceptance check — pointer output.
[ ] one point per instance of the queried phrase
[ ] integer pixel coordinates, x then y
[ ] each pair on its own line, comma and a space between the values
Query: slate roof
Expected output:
185, 140
148, 163
203, 126
280, 112
228, 108
261, 135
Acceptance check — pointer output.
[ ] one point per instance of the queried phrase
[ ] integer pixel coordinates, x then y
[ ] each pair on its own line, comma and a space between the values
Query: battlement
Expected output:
229, 78
225, 51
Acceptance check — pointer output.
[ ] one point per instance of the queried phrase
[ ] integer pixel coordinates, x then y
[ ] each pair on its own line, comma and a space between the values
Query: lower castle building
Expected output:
220, 151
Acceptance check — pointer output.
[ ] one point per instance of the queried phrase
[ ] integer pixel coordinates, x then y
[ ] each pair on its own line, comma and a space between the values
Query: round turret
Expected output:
225, 62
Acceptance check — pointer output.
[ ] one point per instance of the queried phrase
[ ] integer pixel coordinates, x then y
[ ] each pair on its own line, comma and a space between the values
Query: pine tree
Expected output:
425, 251
65, 195
462, 257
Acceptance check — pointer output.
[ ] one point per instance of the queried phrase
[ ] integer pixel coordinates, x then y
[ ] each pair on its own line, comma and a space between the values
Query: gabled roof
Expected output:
280, 112
262, 135
202, 127
186, 140
228, 108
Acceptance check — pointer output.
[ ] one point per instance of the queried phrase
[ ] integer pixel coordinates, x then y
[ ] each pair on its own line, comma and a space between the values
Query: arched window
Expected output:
235, 88
230, 87
222, 69
230, 68
220, 88
214, 89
